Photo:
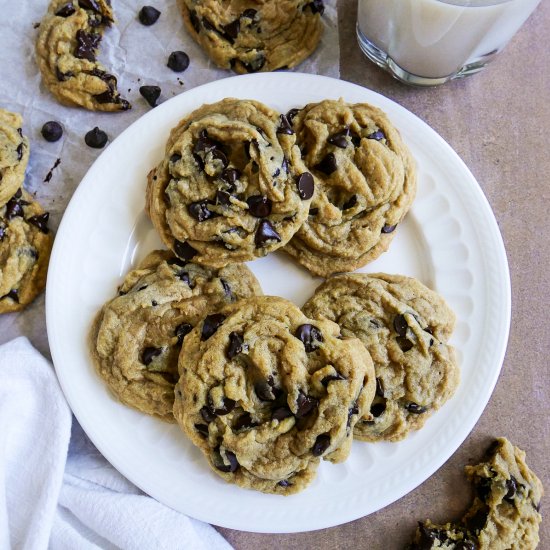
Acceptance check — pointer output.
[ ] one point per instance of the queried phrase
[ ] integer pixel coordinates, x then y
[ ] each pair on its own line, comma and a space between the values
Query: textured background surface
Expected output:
497, 121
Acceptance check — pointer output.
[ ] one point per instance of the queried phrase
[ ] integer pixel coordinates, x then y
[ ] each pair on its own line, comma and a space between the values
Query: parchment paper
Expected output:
137, 55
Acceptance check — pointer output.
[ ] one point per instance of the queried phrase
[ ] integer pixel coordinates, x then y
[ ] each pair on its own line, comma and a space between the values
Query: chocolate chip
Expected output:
150, 94
379, 387
183, 276
404, 343
195, 23
483, 489
90, 5
400, 324
13, 294
178, 61
235, 345
227, 290
20, 151
316, 6
339, 139
352, 411
310, 336
176, 261
211, 324
428, 537
148, 15
249, 13
2, 231
208, 25
14, 208
331, 377
255, 65
96, 138
227, 406
205, 144
264, 389
414, 408
175, 157
512, 486
182, 331
66, 11
305, 404
313, 212
184, 250
328, 165
148, 354
207, 414
377, 409
378, 135
244, 422
259, 206
202, 429
223, 197
231, 30
40, 221
388, 228
230, 175
465, 545
477, 521
280, 413
291, 114
52, 131
227, 468
265, 234
305, 186
62, 77
199, 210
86, 44
350, 203
322, 443
284, 483
284, 126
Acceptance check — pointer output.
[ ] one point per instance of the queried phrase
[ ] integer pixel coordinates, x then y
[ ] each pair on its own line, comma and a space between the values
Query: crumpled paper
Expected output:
137, 55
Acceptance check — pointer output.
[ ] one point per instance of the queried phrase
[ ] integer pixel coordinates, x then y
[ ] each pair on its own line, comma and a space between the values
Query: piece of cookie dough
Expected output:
137, 336
505, 512
365, 179
25, 246
14, 155
266, 392
232, 186
67, 45
255, 35
405, 326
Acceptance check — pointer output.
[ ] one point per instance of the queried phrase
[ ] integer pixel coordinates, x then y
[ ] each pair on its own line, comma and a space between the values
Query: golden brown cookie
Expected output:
255, 35
25, 246
137, 336
67, 45
232, 186
365, 181
266, 392
405, 326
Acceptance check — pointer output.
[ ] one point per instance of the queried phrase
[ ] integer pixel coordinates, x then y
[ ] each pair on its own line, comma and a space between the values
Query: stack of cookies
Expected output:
265, 389
25, 240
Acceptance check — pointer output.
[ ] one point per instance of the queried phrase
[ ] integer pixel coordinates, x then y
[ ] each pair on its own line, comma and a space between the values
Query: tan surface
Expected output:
498, 122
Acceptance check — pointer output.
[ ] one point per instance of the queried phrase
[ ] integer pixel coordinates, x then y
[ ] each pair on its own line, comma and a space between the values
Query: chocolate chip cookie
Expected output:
405, 326
365, 180
137, 336
255, 35
25, 246
266, 392
14, 155
67, 45
232, 186
504, 514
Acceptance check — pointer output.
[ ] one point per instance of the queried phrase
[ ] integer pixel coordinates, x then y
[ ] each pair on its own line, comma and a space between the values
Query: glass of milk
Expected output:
428, 42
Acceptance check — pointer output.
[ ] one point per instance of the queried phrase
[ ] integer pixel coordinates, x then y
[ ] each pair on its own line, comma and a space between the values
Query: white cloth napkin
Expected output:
56, 489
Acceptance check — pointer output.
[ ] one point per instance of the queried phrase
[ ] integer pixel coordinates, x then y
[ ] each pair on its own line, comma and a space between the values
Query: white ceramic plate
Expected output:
449, 240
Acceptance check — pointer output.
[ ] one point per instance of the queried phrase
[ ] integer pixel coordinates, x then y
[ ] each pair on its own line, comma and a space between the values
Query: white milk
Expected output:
435, 39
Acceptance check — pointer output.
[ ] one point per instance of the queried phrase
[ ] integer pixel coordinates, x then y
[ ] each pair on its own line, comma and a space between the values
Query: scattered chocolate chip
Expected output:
207, 414
378, 409
255, 65
415, 408
305, 186
199, 210
483, 489
182, 331
291, 114
223, 197
313, 211
227, 290
284, 483
2, 231
227, 406
379, 387
428, 537
355, 139
284, 126
249, 13
477, 521
40, 221
96, 138
259, 206
280, 413
266, 233
175, 157
264, 389
52, 131
227, 468
244, 422
202, 429
378, 135
322, 443
230, 175
211, 324
235, 345
62, 77
512, 486
331, 377
310, 336
86, 44
350, 203
205, 144
328, 165
465, 545
195, 23
231, 30
404, 343
13, 294
400, 324
66, 11
20, 151
305, 404
208, 25
388, 228
150, 94
352, 411
340, 138
184, 250
178, 61
148, 15
14, 207
148, 354
316, 6
90, 5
